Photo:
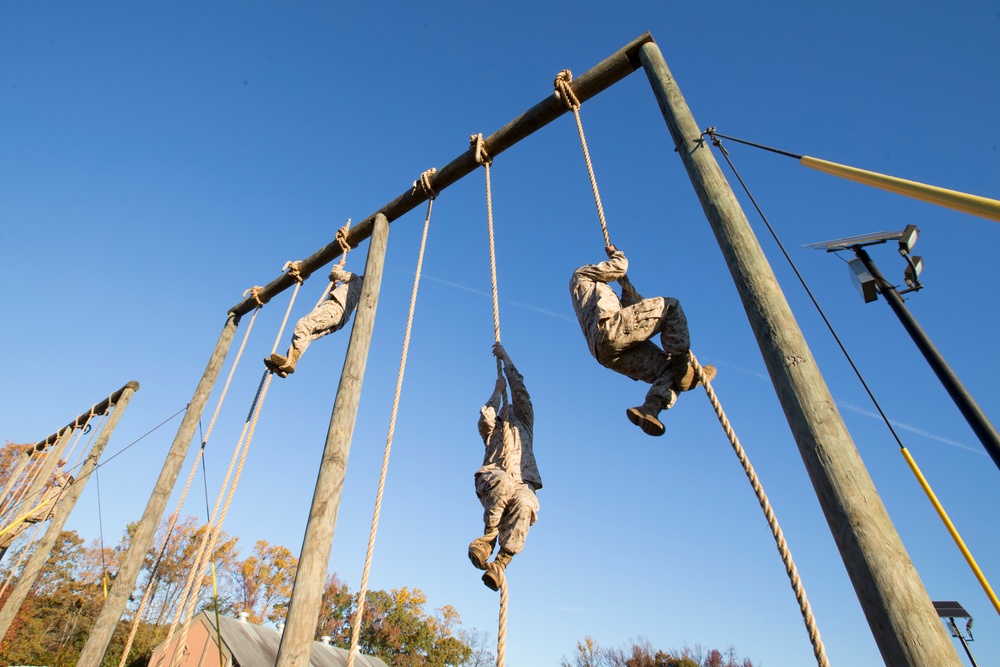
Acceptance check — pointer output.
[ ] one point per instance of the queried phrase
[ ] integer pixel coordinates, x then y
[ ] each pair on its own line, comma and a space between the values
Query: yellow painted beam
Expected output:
958, 201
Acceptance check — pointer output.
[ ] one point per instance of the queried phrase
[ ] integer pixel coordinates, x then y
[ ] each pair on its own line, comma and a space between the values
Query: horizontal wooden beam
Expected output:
595, 80
81, 421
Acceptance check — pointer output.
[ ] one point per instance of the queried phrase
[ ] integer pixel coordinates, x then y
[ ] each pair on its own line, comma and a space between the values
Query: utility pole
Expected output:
898, 609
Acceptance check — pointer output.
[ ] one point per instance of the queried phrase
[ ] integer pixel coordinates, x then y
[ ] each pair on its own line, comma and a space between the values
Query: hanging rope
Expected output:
565, 92
172, 522
100, 528
425, 184
502, 622
772, 521
211, 535
483, 158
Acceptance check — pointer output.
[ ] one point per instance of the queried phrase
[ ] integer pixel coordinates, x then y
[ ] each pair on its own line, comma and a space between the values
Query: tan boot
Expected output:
684, 376
480, 551
495, 571
646, 417
293, 357
274, 364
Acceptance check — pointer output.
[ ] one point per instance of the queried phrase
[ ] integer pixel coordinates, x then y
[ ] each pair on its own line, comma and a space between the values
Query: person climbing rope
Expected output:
508, 479
618, 333
329, 316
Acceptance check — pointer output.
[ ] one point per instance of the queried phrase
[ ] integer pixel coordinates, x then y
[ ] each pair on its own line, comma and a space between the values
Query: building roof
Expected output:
257, 646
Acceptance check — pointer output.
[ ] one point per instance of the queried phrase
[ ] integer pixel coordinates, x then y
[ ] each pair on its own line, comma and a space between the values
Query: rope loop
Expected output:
564, 91
254, 293
479, 146
294, 270
425, 184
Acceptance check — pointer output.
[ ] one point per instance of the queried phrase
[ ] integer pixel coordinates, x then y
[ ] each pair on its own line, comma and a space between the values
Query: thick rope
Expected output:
359, 613
171, 524
502, 622
16, 475
772, 521
565, 93
242, 448
483, 158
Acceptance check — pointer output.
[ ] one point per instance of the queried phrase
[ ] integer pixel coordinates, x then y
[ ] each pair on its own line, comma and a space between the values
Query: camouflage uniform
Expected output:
507, 481
331, 315
618, 331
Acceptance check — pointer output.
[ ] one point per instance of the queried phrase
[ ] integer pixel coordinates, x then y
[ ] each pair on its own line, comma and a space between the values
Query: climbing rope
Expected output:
212, 532
502, 622
172, 522
564, 92
425, 184
483, 158
772, 521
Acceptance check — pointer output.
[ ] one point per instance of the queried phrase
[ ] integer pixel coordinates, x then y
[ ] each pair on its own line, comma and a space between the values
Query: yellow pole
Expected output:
959, 201
951, 529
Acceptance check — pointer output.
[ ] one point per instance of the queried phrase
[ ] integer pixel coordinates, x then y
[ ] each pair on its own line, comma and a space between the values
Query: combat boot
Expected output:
480, 551
495, 570
274, 363
684, 376
646, 417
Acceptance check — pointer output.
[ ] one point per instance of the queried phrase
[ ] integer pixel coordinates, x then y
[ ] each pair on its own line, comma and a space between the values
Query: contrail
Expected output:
488, 295
907, 427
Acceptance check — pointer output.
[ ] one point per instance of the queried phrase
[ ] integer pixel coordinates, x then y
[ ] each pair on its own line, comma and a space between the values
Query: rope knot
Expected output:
564, 91
479, 146
254, 293
341, 239
425, 183
294, 270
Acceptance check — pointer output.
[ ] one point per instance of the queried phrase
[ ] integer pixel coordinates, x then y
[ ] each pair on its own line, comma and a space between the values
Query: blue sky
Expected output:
158, 161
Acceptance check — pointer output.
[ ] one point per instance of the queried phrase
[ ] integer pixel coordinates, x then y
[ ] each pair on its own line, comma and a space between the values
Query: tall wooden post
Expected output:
310, 578
899, 611
63, 508
114, 606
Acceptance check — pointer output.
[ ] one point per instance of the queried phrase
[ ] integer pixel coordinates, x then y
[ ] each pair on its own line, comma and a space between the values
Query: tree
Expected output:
262, 582
640, 653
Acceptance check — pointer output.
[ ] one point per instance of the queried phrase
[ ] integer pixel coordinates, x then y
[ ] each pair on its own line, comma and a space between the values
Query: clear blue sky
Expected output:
156, 162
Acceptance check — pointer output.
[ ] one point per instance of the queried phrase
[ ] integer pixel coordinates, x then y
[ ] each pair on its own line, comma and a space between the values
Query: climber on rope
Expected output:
618, 332
329, 316
508, 479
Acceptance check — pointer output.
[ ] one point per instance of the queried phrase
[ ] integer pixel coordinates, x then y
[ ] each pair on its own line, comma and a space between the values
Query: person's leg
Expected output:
494, 489
324, 319
520, 514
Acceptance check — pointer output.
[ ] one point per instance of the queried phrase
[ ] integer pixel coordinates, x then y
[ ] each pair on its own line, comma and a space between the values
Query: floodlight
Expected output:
863, 280
914, 267
908, 239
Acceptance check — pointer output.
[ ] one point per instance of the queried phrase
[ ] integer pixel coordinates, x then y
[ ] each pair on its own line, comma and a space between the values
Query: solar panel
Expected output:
864, 239
950, 609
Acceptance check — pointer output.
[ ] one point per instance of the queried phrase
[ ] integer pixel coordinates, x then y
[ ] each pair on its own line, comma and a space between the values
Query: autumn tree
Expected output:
262, 582
57, 615
641, 653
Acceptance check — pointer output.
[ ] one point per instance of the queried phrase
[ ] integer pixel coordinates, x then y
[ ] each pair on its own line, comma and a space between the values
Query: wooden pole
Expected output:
595, 80
307, 593
899, 611
107, 621
62, 510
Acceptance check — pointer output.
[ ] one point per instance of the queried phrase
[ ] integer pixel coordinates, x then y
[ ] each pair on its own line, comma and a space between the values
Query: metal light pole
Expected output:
952, 610
875, 283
